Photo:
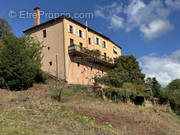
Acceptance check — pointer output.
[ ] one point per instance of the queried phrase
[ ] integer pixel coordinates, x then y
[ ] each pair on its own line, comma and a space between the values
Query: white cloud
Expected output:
135, 6
165, 68
116, 22
151, 19
155, 29
174, 4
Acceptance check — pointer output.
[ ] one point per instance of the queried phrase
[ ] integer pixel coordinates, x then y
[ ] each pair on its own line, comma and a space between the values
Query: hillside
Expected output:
37, 112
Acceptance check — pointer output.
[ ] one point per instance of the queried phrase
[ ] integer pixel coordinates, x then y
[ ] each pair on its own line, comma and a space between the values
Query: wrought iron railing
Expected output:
90, 53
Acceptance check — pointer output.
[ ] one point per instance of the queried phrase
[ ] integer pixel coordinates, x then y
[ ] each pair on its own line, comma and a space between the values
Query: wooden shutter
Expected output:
92, 42
106, 44
74, 30
83, 35
68, 28
78, 32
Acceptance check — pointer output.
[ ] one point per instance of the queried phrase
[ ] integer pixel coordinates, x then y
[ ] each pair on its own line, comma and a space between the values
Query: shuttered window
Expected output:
70, 28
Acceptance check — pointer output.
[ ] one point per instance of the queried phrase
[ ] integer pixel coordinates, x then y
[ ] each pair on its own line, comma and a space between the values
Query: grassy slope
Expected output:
37, 112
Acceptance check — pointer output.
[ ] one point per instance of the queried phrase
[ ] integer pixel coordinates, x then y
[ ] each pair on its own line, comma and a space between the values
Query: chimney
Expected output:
86, 24
36, 16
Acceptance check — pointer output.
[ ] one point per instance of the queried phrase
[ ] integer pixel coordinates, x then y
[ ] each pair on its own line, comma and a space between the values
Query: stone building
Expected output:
71, 49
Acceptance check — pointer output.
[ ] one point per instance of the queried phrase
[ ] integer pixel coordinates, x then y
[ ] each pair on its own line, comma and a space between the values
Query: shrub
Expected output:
164, 96
139, 87
40, 77
123, 95
128, 86
95, 53
171, 97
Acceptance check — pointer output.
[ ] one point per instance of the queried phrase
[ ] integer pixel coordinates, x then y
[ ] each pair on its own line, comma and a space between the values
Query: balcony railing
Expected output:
94, 55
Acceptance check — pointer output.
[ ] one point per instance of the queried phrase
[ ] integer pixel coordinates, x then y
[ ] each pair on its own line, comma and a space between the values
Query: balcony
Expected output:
90, 55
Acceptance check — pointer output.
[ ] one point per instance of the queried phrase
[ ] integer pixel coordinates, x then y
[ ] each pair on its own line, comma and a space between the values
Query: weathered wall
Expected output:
84, 72
53, 45
57, 43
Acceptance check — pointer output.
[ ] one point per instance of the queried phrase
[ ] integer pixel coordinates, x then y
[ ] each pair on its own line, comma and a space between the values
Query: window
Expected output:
104, 44
115, 50
105, 56
78, 64
70, 28
44, 34
89, 40
97, 41
80, 33
81, 45
71, 41
50, 63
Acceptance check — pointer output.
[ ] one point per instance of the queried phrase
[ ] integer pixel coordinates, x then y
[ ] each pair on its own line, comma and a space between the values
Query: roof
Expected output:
70, 19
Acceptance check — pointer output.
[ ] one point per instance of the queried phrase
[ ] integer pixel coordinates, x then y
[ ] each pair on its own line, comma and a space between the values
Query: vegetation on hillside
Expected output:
126, 70
20, 60
127, 76
154, 85
37, 112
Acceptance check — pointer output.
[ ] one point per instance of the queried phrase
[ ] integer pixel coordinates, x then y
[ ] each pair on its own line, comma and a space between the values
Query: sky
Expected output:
148, 29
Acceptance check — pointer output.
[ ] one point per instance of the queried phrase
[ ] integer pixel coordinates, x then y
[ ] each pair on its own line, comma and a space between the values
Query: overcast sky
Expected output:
148, 29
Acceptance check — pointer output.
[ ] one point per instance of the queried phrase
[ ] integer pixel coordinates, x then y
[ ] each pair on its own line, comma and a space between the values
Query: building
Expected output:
71, 49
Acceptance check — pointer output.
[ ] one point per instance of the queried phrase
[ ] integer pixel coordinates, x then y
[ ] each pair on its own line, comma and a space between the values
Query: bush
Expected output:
164, 96
171, 97
140, 87
40, 77
122, 95
128, 86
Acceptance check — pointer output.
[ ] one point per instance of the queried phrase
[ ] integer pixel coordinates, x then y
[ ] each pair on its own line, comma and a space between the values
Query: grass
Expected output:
37, 112
175, 116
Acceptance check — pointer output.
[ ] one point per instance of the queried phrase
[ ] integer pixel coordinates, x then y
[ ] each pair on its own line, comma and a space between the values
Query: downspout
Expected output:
86, 24
64, 50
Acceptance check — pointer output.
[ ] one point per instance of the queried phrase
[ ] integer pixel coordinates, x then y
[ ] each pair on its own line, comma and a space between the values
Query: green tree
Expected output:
20, 62
174, 85
154, 85
5, 28
174, 100
126, 70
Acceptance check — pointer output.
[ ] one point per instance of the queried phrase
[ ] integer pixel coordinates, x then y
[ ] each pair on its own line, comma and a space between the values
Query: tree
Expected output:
126, 70
5, 28
154, 85
174, 85
20, 62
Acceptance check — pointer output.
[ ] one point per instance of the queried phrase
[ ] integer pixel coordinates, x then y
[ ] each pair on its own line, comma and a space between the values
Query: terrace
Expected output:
92, 55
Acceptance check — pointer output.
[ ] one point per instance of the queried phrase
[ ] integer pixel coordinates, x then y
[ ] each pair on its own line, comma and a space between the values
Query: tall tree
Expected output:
154, 85
20, 62
175, 84
5, 28
126, 70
